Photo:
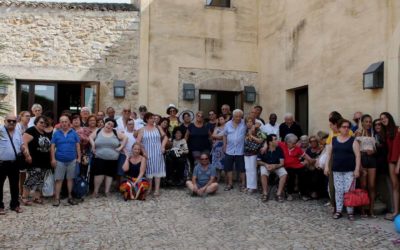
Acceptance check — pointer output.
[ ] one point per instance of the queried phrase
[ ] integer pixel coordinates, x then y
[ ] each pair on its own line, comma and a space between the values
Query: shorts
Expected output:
279, 172
238, 160
368, 161
104, 167
65, 170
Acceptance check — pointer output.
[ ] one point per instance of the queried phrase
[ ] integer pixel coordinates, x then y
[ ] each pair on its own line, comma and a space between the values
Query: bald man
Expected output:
10, 147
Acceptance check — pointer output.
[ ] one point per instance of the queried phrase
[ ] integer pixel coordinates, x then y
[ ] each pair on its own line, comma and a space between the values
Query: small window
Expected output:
219, 3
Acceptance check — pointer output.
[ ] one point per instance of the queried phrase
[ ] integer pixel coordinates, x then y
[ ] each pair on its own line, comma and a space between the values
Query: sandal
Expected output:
26, 201
350, 217
390, 217
72, 202
18, 210
38, 201
229, 187
56, 203
264, 197
337, 215
280, 198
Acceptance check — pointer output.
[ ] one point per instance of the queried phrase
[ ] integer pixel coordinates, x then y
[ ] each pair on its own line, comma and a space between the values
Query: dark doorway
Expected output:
301, 108
69, 98
213, 100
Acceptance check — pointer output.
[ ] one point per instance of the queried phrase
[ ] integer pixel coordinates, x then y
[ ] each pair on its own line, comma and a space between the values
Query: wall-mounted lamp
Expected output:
249, 94
119, 88
373, 76
188, 91
3, 90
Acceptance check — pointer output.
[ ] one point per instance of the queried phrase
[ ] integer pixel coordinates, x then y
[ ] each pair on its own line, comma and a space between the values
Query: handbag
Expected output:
19, 158
356, 197
48, 184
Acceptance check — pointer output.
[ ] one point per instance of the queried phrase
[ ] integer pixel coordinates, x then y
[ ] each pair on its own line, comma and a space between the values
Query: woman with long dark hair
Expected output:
392, 138
367, 142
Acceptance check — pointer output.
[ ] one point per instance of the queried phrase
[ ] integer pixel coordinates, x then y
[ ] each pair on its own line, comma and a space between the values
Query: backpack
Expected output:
81, 184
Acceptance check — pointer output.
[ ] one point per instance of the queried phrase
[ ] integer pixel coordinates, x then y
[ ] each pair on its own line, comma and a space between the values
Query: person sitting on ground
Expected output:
134, 185
204, 178
272, 161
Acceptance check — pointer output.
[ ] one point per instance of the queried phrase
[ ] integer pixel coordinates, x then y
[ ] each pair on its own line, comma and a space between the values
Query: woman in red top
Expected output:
393, 145
294, 166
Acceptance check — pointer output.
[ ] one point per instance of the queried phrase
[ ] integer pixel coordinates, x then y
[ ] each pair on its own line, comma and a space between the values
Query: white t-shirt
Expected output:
269, 129
139, 123
31, 120
130, 142
120, 125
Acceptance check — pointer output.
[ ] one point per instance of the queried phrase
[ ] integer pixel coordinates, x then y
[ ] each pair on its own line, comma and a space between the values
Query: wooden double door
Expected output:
57, 96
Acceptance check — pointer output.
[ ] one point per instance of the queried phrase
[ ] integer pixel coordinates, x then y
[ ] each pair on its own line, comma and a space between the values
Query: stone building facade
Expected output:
305, 57
56, 47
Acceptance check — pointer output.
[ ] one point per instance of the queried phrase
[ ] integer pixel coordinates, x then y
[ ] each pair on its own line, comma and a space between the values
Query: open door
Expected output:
90, 96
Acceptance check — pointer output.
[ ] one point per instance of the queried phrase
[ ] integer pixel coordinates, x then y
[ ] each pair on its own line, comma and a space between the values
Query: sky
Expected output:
83, 1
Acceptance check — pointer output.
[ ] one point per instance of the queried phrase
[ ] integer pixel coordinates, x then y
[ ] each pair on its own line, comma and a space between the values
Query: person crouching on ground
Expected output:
204, 178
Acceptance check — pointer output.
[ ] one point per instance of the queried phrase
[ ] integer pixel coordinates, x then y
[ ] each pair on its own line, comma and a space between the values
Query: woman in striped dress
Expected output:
154, 140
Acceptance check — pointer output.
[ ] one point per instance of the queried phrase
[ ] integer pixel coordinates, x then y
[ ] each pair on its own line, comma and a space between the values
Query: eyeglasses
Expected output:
345, 126
126, 111
313, 141
41, 122
11, 121
203, 159
172, 110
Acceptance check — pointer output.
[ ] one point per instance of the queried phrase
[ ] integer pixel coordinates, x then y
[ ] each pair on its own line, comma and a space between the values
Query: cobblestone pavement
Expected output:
228, 220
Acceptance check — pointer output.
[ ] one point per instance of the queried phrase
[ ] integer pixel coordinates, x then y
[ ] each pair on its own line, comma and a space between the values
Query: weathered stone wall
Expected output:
327, 45
72, 45
219, 80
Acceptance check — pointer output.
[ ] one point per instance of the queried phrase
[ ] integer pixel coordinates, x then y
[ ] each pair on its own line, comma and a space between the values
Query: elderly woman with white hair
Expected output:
234, 136
294, 166
36, 112
289, 126
85, 112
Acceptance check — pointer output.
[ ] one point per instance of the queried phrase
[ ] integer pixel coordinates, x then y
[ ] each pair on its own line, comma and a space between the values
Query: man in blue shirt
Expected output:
234, 135
272, 161
10, 147
65, 153
203, 180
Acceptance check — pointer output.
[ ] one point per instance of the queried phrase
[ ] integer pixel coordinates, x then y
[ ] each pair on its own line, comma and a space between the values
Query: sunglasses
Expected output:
11, 121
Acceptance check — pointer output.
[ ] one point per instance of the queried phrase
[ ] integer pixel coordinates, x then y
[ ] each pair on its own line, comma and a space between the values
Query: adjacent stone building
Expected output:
303, 56
68, 55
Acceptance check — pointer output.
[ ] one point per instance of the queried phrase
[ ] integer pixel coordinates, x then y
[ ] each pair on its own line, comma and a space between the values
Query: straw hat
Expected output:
171, 106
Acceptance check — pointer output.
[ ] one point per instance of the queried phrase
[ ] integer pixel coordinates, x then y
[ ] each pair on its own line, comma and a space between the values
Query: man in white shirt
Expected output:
272, 127
139, 123
123, 120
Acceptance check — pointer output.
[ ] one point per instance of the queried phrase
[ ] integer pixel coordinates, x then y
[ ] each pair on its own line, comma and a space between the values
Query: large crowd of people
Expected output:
142, 153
